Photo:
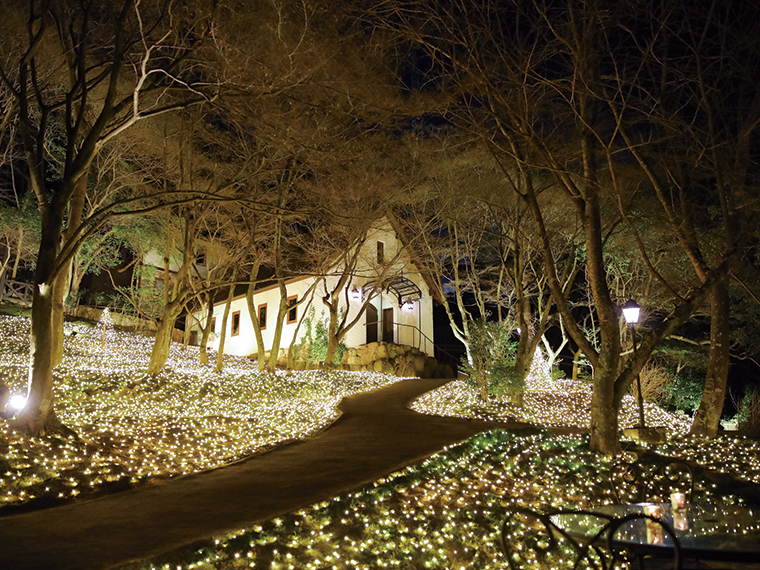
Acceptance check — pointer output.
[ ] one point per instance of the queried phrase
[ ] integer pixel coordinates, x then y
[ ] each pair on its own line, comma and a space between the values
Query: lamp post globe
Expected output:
631, 312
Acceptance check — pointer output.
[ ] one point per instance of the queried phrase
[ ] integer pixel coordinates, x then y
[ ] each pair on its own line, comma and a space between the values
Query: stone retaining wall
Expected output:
400, 359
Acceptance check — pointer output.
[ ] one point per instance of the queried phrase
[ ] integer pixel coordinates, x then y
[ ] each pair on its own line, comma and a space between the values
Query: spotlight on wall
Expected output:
408, 305
356, 294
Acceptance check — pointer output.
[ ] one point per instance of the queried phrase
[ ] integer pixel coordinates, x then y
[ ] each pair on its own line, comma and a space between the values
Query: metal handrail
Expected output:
421, 335
543, 544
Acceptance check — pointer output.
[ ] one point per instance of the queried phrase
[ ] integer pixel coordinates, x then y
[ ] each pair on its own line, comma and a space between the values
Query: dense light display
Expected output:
444, 513
548, 403
132, 427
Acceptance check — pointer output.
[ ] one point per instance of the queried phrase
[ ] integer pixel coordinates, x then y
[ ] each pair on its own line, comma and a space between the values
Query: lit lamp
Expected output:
655, 533
631, 312
18, 401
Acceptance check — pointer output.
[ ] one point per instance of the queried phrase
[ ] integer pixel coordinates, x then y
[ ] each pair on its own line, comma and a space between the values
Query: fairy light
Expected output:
135, 427
547, 402
444, 512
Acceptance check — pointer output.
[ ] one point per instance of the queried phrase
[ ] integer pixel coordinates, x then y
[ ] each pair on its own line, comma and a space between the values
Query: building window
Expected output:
293, 310
200, 259
159, 284
263, 316
235, 323
380, 252
213, 324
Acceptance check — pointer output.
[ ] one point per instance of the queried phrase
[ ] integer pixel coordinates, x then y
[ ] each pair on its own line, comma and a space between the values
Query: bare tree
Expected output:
700, 116
537, 91
95, 71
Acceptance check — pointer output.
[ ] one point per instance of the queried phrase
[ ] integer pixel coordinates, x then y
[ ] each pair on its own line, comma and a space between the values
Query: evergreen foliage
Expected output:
492, 365
313, 346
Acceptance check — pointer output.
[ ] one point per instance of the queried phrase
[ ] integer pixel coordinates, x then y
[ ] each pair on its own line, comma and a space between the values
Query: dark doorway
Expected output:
388, 325
371, 324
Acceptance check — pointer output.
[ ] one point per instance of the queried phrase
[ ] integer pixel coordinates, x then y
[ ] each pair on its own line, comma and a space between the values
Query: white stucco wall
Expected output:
414, 321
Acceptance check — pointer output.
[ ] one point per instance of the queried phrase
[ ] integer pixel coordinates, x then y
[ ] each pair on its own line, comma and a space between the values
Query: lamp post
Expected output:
631, 313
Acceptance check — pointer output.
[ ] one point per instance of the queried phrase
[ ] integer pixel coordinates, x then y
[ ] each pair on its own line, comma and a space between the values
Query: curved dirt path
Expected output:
376, 435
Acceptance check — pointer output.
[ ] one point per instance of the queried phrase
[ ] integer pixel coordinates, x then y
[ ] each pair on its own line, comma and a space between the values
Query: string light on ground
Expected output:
132, 427
442, 513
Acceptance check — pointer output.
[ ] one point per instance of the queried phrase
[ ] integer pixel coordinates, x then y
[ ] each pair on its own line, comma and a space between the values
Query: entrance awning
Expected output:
404, 288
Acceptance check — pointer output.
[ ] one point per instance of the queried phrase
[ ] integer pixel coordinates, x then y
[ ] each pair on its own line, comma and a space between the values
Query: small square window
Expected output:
293, 311
263, 316
235, 323
159, 283
380, 252
200, 259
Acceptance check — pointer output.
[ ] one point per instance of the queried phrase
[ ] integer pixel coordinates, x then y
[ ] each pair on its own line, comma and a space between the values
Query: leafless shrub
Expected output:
654, 380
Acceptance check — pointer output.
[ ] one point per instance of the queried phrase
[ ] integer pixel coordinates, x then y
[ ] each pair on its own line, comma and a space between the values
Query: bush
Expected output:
656, 380
492, 370
683, 393
313, 346
748, 418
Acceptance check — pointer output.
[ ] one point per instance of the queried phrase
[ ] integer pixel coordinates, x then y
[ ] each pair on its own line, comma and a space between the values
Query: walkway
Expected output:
376, 435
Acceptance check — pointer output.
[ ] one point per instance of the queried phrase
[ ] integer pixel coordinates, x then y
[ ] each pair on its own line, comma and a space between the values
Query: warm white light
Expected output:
631, 312
356, 294
18, 402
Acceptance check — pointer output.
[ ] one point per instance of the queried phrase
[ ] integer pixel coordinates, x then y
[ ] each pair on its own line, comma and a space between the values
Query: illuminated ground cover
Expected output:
561, 403
133, 427
547, 402
564, 403
444, 513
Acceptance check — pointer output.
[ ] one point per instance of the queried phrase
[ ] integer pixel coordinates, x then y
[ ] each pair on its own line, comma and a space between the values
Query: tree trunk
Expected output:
332, 334
206, 330
253, 313
59, 298
63, 279
604, 413
225, 318
576, 363
162, 344
332, 348
17, 260
282, 311
37, 415
707, 419
77, 274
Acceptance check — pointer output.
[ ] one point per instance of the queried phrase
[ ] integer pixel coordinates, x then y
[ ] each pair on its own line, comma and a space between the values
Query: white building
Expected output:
399, 309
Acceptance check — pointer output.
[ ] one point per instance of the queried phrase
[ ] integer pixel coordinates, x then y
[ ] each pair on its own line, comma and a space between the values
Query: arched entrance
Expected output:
371, 323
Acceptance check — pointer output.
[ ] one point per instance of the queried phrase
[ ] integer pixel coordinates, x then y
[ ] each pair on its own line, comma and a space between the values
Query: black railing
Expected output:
529, 538
442, 356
